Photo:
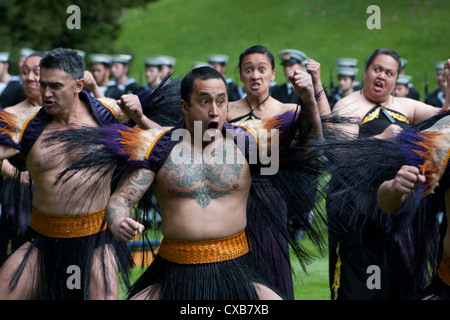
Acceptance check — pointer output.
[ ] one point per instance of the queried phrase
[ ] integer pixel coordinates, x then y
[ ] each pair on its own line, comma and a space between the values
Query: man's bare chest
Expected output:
201, 176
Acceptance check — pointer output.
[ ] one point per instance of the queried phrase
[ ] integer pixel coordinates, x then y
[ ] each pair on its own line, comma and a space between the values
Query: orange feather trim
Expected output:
436, 153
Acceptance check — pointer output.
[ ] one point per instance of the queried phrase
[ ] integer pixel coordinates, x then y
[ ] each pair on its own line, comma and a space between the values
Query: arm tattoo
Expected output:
440, 125
203, 181
129, 191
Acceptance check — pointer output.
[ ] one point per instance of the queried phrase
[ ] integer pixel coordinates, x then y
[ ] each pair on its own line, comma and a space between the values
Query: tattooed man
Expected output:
71, 239
202, 193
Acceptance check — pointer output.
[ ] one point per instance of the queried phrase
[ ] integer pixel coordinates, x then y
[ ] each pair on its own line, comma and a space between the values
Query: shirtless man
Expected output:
197, 205
74, 232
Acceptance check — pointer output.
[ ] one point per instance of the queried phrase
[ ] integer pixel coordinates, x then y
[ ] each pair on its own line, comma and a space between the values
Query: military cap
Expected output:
199, 64
167, 60
347, 62
4, 56
291, 56
403, 79
25, 52
100, 58
154, 61
218, 58
122, 58
346, 71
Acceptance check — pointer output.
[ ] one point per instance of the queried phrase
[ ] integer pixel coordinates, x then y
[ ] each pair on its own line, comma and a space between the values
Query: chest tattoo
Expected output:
202, 181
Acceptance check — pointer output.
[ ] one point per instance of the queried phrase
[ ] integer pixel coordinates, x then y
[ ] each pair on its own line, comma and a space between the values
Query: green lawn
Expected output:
312, 285
324, 29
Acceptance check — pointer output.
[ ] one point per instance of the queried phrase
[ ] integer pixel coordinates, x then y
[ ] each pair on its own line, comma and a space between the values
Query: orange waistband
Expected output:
204, 251
67, 226
444, 269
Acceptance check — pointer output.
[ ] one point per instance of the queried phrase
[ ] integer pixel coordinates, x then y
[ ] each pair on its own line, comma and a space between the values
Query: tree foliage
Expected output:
42, 24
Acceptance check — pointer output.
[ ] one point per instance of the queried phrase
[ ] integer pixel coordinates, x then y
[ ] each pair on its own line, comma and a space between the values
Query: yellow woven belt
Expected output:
444, 269
204, 251
67, 226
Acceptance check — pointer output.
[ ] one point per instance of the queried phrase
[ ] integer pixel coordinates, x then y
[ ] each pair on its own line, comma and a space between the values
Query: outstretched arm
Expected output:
130, 190
392, 193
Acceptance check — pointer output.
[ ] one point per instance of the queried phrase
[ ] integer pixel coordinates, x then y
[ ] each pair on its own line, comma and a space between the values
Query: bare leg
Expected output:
27, 285
264, 293
144, 295
97, 284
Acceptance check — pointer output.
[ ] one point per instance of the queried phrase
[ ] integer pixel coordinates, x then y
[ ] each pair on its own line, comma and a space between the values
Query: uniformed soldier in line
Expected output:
402, 86
101, 71
11, 91
346, 73
119, 70
437, 97
291, 60
167, 65
219, 62
413, 92
153, 66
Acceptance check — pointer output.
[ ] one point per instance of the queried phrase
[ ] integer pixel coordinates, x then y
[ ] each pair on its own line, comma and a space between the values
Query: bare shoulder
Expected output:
22, 108
236, 109
416, 110
350, 105
290, 107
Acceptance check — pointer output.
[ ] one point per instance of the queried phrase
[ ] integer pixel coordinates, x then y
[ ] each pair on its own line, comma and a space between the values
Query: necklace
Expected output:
262, 102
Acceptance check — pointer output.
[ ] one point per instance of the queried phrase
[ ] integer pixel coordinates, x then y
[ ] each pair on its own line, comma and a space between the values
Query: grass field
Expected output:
312, 285
324, 29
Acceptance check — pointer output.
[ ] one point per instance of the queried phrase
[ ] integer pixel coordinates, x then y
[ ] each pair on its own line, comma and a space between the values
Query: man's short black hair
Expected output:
68, 60
201, 73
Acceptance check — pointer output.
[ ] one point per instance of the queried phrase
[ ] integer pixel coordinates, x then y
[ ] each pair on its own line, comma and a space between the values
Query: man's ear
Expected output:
184, 106
80, 85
